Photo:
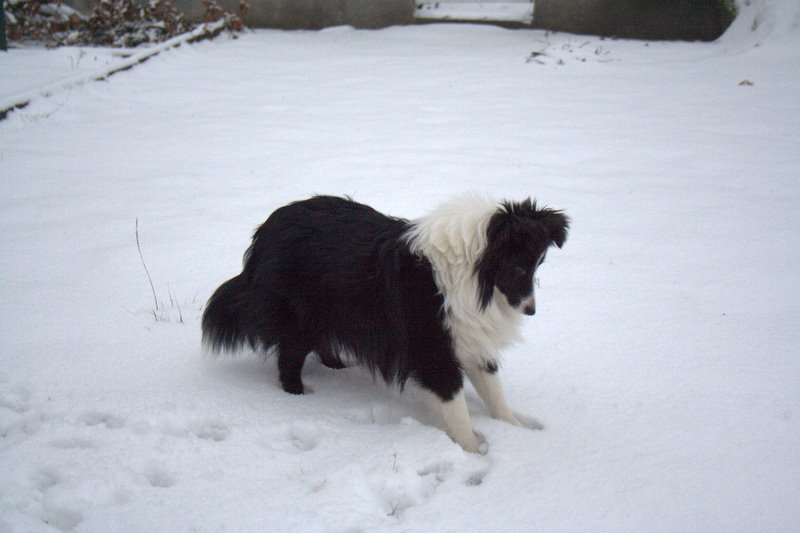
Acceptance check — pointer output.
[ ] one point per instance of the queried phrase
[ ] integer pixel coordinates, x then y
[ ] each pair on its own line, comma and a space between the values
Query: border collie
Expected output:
431, 299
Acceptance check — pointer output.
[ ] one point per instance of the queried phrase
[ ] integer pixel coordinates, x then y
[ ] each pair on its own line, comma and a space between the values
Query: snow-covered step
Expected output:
488, 10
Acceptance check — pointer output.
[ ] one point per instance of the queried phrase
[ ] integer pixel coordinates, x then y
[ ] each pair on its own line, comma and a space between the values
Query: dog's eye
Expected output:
520, 271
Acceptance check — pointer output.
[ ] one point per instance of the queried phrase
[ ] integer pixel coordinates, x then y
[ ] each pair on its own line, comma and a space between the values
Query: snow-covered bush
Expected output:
125, 23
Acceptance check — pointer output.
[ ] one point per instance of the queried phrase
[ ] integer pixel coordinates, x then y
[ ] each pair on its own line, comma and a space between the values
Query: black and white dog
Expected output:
430, 299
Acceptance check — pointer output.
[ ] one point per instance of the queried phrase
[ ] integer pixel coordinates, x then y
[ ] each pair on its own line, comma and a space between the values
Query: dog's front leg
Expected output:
458, 426
487, 384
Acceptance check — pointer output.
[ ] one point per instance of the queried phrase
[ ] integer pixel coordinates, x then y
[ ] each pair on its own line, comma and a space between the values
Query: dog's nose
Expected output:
530, 310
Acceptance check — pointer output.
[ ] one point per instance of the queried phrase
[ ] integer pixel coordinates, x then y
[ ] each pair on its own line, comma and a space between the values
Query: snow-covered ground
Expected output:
26, 70
664, 359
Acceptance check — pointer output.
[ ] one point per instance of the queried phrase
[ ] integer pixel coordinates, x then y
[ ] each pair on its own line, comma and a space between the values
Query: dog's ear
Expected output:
557, 224
497, 236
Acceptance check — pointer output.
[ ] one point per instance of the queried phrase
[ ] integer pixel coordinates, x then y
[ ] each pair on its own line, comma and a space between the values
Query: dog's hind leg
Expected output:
328, 358
293, 347
290, 367
291, 357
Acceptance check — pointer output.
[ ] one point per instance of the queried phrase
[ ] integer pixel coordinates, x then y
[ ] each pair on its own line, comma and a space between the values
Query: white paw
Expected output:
477, 444
528, 422
483, 448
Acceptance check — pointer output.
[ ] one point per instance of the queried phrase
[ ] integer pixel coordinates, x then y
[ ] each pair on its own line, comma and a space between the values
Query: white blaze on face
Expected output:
528, 305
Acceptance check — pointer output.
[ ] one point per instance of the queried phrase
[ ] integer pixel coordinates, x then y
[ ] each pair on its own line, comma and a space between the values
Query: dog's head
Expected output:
518, 237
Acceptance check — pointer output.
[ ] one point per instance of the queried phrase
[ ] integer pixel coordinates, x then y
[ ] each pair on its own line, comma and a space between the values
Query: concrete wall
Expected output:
314, 14
639, 19
300, 14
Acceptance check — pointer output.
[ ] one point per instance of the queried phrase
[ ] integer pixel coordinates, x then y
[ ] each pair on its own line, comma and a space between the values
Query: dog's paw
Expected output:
292, 386
528, 422
477, 444
483, 448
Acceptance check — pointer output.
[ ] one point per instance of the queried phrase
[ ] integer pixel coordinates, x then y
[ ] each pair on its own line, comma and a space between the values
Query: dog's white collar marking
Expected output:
453, 238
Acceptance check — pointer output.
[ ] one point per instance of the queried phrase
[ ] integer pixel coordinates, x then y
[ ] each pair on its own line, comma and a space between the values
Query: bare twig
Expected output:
152, 288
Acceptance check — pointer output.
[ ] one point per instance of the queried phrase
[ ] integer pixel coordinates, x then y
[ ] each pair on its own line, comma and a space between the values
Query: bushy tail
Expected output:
228, 318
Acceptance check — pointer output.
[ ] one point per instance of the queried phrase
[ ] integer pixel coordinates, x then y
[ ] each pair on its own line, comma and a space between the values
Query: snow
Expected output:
34, 68
68, 67
515, 11
663, 358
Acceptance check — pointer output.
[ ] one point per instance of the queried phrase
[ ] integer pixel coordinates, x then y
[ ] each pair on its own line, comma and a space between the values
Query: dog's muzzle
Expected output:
528, 306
